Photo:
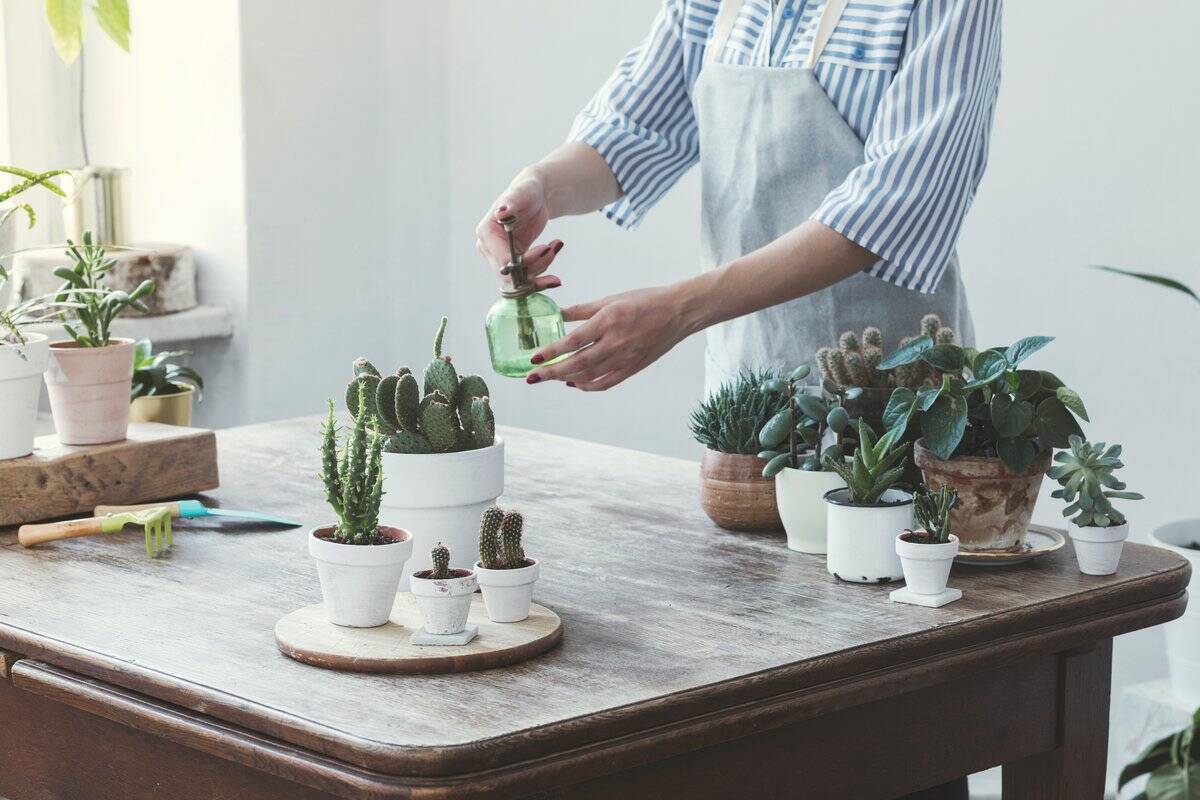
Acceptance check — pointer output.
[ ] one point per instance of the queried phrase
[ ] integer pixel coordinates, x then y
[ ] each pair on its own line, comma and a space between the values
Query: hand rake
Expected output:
156, 522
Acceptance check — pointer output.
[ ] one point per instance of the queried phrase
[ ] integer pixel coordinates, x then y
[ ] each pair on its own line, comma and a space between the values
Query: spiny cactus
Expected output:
445, 413
510, 540
931, 511
855, 361
440, 556
500, 539
354, 480
489, 538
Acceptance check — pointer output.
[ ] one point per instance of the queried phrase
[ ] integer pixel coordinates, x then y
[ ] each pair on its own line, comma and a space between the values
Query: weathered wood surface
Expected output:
155, 462
681, 635
307, 636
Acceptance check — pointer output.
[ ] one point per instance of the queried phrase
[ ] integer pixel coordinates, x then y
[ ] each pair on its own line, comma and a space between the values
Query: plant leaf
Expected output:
989, 366
1150, 277
811, 407
1071, 400
945, 357
1055, 424
66, 28
1016, 454
907, 353
1010, 419
113, 16
1022, 349
943, 425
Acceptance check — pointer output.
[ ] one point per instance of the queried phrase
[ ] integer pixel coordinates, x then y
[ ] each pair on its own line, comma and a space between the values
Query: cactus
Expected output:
489, 538
855, 361
931, 511
353, 481
510, 540
500, 539
445, 413
440, 556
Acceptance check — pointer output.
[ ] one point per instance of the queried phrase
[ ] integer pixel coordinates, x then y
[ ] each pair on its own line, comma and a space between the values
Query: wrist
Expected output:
542, 177
691, 306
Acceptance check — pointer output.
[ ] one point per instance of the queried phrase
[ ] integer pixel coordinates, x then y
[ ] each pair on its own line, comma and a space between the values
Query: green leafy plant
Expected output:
500, 540
729, 419
794, 436
67, 25
856, 361
931, 512
984, 404
28, 312
353, 480
1088, 483
447, 413
153, 374
1173, 764
88, 300
877, 465
27, 182
1150, 277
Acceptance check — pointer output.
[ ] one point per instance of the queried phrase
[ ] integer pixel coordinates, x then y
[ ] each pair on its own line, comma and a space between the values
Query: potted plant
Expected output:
442, 462
162, 391
359, 561
795, 438
1085, 473
927, 553
89, 375
1173, 764
733, 492
443, 594
866, 515
987, 429
505, 575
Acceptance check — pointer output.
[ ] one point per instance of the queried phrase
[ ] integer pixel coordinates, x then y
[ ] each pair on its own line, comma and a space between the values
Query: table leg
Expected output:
1075, 770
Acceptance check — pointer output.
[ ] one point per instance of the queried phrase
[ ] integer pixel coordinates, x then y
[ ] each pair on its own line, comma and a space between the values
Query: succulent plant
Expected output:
500, 539
445, 413
440, 556
729, 419
856, 361
794, 436
931, 511
353, 480
1088, 483
86, 300
876, 466
154, 374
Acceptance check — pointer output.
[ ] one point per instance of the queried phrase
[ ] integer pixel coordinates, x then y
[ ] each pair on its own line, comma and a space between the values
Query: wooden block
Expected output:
156, 462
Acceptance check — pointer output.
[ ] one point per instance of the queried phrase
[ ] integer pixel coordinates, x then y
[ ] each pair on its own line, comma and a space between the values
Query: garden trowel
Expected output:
191, 509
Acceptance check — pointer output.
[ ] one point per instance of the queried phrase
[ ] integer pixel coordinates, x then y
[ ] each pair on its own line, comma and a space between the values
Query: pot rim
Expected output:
827, 497
71, 344
475, 451
407, 536
929, 456
900, 538
30, 338
509, 577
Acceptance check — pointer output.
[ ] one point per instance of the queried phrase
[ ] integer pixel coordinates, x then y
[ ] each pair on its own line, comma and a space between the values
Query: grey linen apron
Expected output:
772, 146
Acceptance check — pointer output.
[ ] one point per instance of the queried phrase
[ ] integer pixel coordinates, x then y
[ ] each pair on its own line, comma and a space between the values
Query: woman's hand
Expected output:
620, 336
524, 199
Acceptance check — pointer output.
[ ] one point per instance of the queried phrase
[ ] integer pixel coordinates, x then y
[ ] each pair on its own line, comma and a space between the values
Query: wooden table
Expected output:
696, 663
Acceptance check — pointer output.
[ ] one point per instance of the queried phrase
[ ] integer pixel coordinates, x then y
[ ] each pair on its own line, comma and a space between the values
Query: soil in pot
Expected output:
735, 495
89, 391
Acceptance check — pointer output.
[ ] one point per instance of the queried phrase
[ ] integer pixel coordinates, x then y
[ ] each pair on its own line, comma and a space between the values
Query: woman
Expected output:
840, 144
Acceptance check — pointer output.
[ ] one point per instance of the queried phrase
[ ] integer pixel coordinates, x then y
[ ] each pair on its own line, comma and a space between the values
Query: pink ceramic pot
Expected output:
89, 391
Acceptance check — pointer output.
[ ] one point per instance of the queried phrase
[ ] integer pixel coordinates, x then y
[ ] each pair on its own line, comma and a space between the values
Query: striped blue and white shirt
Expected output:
916, 80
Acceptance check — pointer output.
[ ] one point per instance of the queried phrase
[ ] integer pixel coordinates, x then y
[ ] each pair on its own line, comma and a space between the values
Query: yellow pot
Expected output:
169, 409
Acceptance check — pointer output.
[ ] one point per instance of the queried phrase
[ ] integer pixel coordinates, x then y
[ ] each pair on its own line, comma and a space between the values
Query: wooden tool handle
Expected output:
104, 510
29, 535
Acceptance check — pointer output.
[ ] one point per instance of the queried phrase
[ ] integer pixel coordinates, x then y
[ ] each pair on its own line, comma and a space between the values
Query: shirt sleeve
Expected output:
927, 146
641, 121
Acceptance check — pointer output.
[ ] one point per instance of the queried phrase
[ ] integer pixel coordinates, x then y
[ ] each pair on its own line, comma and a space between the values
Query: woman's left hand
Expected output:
620, 336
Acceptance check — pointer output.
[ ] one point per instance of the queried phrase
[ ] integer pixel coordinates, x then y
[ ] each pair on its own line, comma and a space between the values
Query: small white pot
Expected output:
439, 497
1098, 550
507, 593
359, 581
21, 368
862, 538
799, 495
444, 604
1183, 634
926, 566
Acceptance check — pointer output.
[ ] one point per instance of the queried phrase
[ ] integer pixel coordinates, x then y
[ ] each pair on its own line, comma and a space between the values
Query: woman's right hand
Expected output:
524, 199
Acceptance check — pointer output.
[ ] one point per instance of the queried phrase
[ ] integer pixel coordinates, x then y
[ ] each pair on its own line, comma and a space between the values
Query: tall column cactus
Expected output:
510, 540
500, 539
489, 538
354, 479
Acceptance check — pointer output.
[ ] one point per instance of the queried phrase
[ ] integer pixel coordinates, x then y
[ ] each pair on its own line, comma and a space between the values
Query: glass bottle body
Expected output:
517, 327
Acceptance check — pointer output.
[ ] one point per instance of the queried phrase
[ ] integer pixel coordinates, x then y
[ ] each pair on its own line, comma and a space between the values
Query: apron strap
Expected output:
830, 16
727, 15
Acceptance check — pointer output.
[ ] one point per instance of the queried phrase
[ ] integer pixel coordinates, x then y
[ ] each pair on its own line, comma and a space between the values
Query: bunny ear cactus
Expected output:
353, 481
794, 436
445, 413
1089, 486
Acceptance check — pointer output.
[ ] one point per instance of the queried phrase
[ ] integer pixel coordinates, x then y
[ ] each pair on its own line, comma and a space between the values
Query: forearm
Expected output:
575, 180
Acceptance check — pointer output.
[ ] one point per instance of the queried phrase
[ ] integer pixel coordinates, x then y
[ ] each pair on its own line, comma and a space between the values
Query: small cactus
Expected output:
500, 539
855, 361
510, 539
489, 538
440, 556
353, 481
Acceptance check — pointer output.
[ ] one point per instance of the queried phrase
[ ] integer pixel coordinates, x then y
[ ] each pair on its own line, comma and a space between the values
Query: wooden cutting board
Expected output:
156, 462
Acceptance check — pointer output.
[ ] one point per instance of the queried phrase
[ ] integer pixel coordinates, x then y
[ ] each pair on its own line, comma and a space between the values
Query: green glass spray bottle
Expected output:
523, 320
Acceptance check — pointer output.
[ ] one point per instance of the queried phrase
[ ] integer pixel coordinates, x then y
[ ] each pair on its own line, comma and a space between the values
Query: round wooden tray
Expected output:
307, 636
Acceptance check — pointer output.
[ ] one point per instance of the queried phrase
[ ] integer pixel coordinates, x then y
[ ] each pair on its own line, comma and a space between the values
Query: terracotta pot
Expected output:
89, 391
734, 493
994, 505
169, 409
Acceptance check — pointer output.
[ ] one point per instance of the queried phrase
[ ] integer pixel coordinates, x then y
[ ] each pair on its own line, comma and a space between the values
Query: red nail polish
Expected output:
502, 209
533, 379
571, 384
553, 284
537, 359
558, 247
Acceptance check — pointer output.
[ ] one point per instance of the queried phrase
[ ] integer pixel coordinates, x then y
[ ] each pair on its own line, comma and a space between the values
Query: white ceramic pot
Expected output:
359, 581
89, 391
21, 368
800, 496
862, 538
1183, 634
439, 497
926, 566
507, 593
1098, 550
444, 604
8, 243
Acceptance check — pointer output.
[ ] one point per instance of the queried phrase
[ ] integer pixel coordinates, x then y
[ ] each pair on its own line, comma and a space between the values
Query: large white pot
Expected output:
507, 593
444, 604
862, 538
8, 243
1183, 634
359, 581
800, 497
439, 498
926, 565
21, 368
1098, 550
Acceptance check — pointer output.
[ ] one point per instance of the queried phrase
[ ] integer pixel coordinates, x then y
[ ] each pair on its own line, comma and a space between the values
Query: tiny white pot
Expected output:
800, 497
926, 566
1183, 634
444, 604
359, 581
507, 593
21, 368
1098, 550
862, 538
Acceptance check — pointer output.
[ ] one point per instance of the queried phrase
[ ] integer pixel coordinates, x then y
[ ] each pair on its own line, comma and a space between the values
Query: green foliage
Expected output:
1173, 764
794, 436
454, 413
875, 467
28, 181
1150, 277
86, 298
729, 419
67, 25
500, 539
153, 374
353, 480
931, 511
857, 361
983, 403
1089, 486
440, 556
28, 312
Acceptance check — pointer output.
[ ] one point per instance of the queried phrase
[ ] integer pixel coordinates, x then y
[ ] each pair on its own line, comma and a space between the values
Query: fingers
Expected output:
586, 364
583, 311
600, 384
581, 337
544, 282
538, 258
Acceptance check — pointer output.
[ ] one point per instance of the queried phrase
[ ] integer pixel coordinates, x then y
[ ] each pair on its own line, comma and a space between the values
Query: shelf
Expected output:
195, 324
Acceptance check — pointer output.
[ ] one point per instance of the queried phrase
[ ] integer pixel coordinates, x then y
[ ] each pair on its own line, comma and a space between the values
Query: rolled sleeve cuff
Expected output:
626, 154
